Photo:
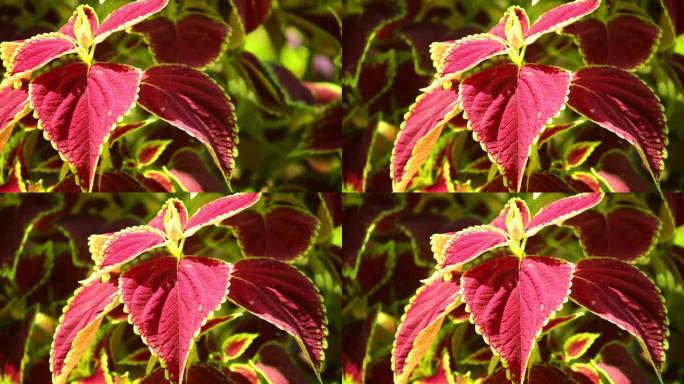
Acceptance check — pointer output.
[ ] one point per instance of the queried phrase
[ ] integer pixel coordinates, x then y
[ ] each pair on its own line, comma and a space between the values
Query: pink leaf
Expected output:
560, 210
218, 210
616, 363
196, 40
420, 324
78, 107
77, 328
192, 101
623, 104
452, 58
579, 152
625, 41
621, 294
283, 233
168, 300
276, 364
236, 344
452, 250
128, 16
112, 250
39, 50
623, 233
511, 299
68, 28
283, 296
509, 106
557, 18
419, 133
577, 345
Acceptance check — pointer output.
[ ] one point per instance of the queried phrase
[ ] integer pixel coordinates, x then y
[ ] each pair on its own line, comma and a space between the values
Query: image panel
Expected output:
513, 96
204, 288
512, 288
162, 96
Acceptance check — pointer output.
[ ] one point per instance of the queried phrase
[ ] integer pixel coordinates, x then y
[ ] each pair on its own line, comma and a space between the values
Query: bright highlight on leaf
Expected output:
420, 324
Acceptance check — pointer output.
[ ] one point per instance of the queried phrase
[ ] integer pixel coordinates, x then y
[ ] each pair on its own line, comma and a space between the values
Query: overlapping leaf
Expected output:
419, 133
509, 106
127, 16
109, 251
451, 59
78, 106
37, 51
193, 102
195, 40
77, 328
560, 210
218, 210
557, 18
624, 233
280, 294
452, 250
511, 299
625, 41
168, 300
422, 319
13, 106
623, 295
283, 233
620, 102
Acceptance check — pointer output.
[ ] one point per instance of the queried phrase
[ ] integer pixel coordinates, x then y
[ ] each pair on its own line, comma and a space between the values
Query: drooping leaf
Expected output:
168, 300
22, 217
578, 344
252, 12
623, 104
511, 299
276, 365
236, 344
625, 41
13, 106
360, 30
452, 250
560, 210
283, 233
196, 40
78, 325
359, 222
419, 133
453, 58
621, 294
356, 348
127, 16
280, 294
78, 107
616, 363
37, 51
218, 210
420, 324
507, 111
623, 233
192, 101
112, 250
557, 18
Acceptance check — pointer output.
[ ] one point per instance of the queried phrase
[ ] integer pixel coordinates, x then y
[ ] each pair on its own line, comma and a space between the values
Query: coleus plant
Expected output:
507, 106
78, 104
512, 298
169, 296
